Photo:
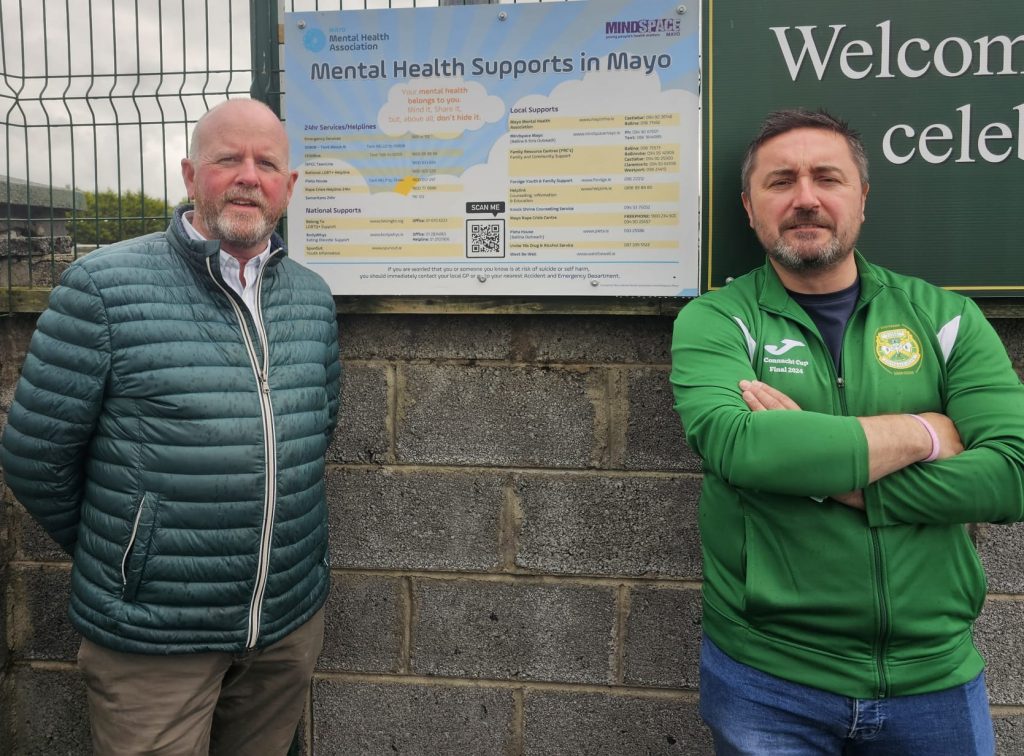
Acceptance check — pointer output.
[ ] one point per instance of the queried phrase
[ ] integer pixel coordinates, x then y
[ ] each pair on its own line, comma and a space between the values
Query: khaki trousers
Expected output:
197, 704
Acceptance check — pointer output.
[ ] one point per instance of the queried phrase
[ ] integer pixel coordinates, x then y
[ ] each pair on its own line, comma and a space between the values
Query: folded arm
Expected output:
985, 399
978, 475
796, 453
894, 441
871, 462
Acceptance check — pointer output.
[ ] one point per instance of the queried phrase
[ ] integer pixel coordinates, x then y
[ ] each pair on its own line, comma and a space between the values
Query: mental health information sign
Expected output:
528, 149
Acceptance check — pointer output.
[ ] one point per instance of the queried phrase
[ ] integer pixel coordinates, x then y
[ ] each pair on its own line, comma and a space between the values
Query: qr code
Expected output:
485, 238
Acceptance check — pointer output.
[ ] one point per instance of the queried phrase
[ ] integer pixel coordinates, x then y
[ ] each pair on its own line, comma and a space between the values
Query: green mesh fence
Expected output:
97, 100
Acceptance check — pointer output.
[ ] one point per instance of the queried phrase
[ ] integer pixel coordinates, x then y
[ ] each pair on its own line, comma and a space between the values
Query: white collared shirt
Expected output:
232, 269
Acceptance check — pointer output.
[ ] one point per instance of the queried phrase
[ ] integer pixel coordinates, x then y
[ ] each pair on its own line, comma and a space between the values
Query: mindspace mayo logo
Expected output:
643, 27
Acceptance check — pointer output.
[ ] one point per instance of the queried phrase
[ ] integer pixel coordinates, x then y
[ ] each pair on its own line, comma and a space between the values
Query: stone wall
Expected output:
33, 260
514, 548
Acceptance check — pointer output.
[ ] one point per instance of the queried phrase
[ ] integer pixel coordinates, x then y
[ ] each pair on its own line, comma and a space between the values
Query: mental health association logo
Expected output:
314, 40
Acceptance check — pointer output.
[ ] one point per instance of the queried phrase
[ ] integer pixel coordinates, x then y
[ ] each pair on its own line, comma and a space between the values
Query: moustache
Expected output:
801, 218
250, 197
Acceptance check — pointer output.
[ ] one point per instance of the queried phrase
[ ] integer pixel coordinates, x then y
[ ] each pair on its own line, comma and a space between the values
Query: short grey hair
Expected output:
783, 121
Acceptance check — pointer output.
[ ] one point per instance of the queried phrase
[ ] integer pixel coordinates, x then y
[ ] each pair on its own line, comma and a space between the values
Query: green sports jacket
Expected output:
863, 604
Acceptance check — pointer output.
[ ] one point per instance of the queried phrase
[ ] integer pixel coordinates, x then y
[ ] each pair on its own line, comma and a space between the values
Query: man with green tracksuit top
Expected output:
851, 421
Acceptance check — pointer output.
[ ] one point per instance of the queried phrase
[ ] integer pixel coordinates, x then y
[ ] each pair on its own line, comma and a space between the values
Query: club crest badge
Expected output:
897, 348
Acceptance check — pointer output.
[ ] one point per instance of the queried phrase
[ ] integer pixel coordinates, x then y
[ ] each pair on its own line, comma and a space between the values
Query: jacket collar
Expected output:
773, 295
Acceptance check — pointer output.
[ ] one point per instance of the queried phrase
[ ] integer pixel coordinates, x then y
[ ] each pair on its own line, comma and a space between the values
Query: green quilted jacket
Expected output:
174, 445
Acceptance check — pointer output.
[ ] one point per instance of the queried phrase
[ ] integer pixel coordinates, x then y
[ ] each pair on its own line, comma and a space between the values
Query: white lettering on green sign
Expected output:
914, 57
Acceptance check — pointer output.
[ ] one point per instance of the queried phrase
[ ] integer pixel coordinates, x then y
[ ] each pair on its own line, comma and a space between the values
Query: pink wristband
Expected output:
934, 436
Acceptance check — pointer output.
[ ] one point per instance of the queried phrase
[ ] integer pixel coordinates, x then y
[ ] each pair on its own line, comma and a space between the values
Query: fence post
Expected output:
266, 63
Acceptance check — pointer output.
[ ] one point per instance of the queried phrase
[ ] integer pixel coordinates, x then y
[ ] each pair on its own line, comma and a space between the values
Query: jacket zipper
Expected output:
876, 554
131, 544
883, 616
876, 547
261, 370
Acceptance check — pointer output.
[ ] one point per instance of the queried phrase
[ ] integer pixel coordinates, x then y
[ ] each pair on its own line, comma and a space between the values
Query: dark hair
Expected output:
782, 121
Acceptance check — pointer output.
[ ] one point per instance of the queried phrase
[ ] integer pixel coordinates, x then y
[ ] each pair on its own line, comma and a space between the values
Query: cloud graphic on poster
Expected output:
634, 92
441, 106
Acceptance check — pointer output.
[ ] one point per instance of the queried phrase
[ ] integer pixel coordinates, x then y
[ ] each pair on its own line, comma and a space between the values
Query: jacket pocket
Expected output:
136, 552
807, 576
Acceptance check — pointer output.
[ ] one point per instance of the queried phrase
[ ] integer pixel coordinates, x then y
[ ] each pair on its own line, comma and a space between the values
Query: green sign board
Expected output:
936, 89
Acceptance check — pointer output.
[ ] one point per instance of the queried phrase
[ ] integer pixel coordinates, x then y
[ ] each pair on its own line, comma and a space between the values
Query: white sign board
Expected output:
528, 149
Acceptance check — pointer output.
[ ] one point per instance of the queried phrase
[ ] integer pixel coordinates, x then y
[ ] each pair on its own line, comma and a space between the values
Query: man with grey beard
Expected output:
169, 432
851, 421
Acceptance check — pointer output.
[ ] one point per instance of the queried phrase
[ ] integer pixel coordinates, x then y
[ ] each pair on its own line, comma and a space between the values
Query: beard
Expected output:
803, 258
827, 255
234, 228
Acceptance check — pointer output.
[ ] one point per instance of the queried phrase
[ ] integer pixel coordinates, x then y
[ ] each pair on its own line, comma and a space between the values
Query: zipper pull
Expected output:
264, 383
840, 382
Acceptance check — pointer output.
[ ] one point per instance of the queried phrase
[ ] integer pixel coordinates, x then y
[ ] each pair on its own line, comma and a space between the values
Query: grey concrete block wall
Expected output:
998, 635
46, 712
516, 630
654, 438
365, 435
499, 415
4, 644
999, 547
356, 717
38, 627
514, 549
621, 525
366, 617
4, 608
1009, 734
425, 519
557, 724
663, 638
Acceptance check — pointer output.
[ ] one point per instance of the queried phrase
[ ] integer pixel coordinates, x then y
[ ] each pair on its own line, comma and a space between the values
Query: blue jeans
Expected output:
752, 713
